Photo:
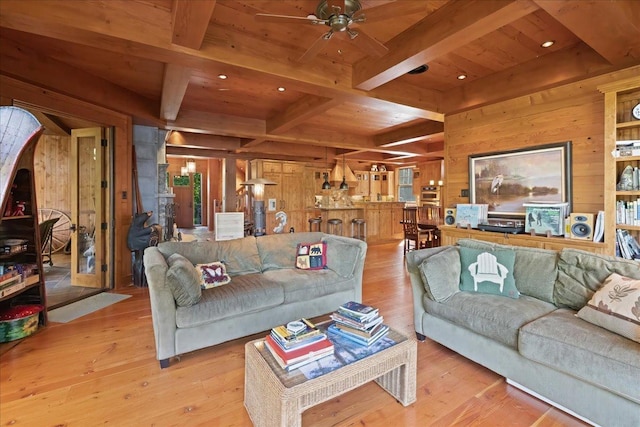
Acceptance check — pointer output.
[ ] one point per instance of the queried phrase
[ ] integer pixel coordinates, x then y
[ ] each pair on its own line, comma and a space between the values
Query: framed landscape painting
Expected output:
506, 180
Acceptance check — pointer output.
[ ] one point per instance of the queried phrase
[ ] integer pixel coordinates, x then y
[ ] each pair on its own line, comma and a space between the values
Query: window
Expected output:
405, 185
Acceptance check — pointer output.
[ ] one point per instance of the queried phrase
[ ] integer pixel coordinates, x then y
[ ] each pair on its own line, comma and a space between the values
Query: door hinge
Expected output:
104, 142
103, 226
103, 267
103, 184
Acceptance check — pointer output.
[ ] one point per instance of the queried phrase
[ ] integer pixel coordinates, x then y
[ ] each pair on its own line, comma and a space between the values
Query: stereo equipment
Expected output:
450, 217
581, 226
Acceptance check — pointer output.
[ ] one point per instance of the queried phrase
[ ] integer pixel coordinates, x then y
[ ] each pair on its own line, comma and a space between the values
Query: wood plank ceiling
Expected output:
160, 62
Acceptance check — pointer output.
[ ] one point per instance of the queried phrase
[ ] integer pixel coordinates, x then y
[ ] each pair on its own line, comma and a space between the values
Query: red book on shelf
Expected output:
295, 355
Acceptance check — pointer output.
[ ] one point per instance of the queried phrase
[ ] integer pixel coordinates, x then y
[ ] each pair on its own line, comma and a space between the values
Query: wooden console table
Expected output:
450, 235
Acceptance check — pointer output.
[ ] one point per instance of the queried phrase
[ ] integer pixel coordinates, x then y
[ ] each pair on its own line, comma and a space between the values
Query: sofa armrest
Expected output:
163, 305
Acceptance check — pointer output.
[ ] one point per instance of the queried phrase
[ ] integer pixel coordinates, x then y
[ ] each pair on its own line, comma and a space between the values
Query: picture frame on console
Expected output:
506, 180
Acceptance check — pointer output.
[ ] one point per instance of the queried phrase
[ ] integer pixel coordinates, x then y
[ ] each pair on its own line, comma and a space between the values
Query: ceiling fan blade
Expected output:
369, 44
284, 19
316, 47
391, 10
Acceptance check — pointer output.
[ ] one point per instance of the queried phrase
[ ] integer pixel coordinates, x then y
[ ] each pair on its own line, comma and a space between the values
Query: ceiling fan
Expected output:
339, 15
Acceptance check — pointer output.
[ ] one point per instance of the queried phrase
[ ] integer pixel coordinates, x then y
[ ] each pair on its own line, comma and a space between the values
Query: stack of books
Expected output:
359, 323
297, 343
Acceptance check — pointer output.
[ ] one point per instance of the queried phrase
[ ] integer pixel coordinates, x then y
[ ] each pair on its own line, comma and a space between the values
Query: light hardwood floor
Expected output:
101, 369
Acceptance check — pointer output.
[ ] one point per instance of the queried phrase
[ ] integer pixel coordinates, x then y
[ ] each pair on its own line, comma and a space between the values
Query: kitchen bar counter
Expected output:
346, 214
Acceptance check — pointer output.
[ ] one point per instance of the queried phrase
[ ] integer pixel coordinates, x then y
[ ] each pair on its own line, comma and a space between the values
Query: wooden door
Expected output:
87, 208
183, 189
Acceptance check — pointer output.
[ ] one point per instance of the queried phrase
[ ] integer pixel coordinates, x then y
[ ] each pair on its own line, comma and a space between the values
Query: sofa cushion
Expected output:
488, 271
566, 343
616, 307
311, 256
305, 285
441, 274
240, 256
279, 250
184, 281
342, 255
535, 270
245, 294
212, 274
580, 274
492, 316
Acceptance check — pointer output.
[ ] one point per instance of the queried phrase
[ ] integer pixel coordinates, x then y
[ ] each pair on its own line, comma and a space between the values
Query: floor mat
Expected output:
83, 307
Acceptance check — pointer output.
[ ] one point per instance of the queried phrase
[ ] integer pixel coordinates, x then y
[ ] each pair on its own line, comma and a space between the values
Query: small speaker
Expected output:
581, 226
450, 217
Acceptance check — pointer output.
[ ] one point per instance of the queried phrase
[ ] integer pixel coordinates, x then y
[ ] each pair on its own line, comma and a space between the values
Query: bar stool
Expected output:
359, 229
334, 226
315, 223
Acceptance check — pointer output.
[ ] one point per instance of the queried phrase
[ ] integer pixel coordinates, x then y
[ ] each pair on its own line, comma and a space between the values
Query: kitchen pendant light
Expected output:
326, 185
343, 184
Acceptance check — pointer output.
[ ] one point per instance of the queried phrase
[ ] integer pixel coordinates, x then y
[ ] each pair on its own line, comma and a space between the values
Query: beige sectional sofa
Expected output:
266, 289
535, 340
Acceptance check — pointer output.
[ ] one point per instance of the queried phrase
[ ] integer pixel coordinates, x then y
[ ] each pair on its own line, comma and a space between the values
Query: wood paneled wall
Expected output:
572, 112
52, 174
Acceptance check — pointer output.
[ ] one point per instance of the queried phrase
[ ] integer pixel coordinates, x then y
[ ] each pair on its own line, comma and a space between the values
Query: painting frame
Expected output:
539, 173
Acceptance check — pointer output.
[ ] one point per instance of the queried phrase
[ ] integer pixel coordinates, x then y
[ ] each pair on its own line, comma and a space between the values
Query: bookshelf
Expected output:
619, 125
19, 229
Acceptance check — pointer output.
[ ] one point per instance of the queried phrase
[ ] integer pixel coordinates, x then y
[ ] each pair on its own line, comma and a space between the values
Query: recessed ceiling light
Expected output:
462, 76
281, 89
222, 76
548, 43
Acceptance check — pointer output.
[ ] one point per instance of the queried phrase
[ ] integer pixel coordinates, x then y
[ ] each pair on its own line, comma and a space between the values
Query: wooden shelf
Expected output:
627, 158
626, 125
13, 218
628, 227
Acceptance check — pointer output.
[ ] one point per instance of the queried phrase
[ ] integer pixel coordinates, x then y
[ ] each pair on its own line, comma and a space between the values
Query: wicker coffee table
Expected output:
274, 397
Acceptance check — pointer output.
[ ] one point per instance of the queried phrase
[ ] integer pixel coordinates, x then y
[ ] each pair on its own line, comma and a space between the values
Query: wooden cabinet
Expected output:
362, 185
383, 220
22, 280
430, 171
287, 195
381, 183
450, 235
620, 125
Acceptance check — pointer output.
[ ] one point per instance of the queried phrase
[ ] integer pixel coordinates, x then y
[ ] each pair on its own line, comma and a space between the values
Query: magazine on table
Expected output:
344, 353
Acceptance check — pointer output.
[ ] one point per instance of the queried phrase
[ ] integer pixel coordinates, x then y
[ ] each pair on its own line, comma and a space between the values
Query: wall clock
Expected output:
636, 111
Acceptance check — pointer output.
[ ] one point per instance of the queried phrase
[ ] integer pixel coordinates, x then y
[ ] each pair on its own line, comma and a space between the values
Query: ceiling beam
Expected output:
448, 28
190, 21
408, 134
297, 113
198, 140
174, 86
556, 68
217, 154
583, 18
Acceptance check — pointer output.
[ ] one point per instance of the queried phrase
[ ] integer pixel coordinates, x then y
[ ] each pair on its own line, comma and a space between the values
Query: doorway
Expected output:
75, 261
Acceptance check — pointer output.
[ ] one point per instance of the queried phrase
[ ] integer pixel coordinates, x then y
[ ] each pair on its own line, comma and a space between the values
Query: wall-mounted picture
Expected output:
506, 180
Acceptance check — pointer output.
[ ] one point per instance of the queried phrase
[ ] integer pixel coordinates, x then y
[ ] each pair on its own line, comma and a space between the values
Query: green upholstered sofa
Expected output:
266, 289
535, 341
